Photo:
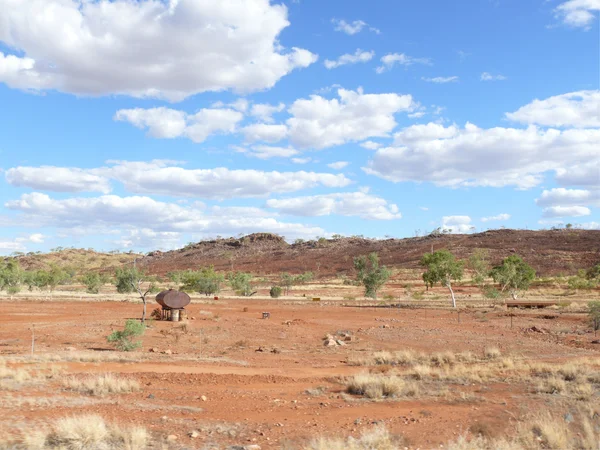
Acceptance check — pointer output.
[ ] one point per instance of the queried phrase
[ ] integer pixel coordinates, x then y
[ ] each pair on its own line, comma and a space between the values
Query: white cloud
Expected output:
348, 28
264, 132
358, 56
319, 122
161, 177
345, 204
486, 76
495, 218
417, 115
576, 109
264, 111
423, 208
11, 246
371, 145
338, 165
457, 224
566, 211
578, 13
472, 156
569, 197
161, 49
440, 80
36, 238
169, 123
149, 239
267, 151
586, 174
58, 179
391, 59
301, 160
144, 213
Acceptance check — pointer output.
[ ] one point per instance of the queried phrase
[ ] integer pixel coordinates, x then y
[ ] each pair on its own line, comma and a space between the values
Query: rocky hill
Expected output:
549, 252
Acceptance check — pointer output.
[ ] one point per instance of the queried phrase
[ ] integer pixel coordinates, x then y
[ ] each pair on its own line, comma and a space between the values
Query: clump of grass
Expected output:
12, 378
377, 386
375, 439
87, 432
101, 385
492, 352
123, 340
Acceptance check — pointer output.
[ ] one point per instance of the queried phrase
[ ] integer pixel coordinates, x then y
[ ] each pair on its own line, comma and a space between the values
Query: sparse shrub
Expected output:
275, 292
375, 386
594, 314
370, 274
492, 352
123, 340
93, 281
491, 292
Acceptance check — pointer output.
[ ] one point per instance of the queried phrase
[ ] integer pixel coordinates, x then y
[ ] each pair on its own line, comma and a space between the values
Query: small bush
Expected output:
275, 292
375, 386
594, 315
491, 292
492, 352
123, 340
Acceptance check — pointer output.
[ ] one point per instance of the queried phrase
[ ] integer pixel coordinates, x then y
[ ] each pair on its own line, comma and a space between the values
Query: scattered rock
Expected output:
70, 349
151, 396
596, 341
329, 343
172, 437
252, 447
203, 398
568, 417
193, 434
168, 352
340, 342
153, 350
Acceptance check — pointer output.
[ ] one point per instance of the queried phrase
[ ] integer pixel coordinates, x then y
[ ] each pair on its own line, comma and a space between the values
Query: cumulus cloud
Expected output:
391, 59
486, 76
163, 178
358, 56
569, 197
318, 122
162, 49
138, 212
578, 13
586, 174
576, 109
371, 145
566, 211
496, 218
265, 111
268, 151
169, 123
440, 80
353, 27
457, 224
264, 132
58, 179
338, 165
358, 204
473, 156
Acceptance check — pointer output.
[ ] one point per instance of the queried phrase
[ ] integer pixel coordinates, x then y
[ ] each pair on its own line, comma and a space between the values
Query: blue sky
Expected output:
148, 124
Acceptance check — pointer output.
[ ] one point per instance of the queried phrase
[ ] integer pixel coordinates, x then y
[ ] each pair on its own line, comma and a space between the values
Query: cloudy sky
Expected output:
145, 124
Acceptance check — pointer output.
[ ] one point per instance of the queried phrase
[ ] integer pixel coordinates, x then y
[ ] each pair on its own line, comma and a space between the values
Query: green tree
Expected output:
241, 283
123, 340
205, 281
286, 281
479, 264
55, 276
513, 275
593, 273
594, 314
131, 279
442, 268
11, 277
370, 274
93, 281
275, 292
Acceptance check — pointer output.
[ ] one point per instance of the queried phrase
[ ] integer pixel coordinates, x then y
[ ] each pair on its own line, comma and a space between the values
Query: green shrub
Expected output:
491, 292
123, 340
594, 314
275, 292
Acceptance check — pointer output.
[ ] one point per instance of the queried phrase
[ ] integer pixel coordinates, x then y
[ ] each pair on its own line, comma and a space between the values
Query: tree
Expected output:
480, 266
593, 272
594, 314
370, 274
287, 280
55, 276
240, 283
122, 340
275, 292
513, 275
442, 268
205, 281
131, 279
93, 281
11, 277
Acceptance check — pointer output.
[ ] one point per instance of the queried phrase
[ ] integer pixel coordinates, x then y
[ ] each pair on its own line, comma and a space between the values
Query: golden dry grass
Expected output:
377, 386
101, 385
87, 432
375, 439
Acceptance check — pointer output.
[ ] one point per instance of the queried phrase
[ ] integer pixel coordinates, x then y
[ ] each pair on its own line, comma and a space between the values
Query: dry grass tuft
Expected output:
492, 352
375, 439
87, 432
377, 386
101, 385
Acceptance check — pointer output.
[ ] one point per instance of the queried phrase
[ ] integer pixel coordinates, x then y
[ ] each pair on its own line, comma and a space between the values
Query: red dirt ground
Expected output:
259, 396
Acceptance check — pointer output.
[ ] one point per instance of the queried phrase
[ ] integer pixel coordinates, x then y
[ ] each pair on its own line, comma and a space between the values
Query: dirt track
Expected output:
259, 396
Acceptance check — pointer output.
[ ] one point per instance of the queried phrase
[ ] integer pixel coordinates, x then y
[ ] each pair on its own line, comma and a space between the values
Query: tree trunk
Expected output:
449, 286
514, 295
144, 310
